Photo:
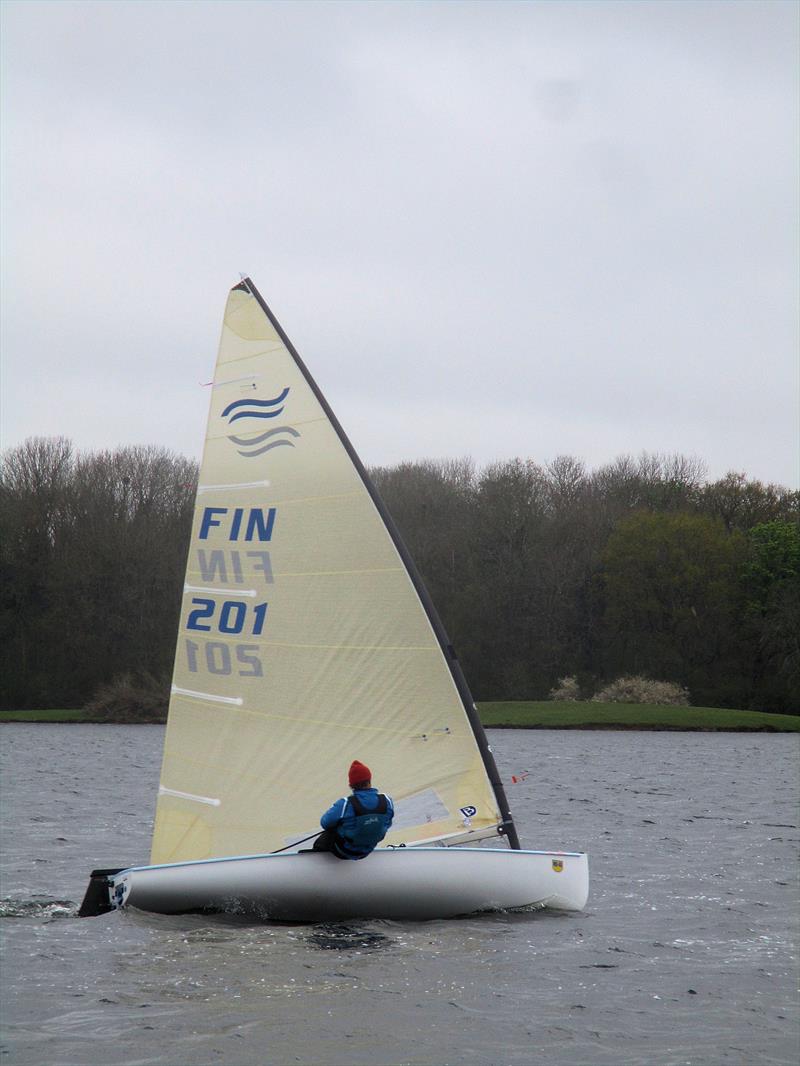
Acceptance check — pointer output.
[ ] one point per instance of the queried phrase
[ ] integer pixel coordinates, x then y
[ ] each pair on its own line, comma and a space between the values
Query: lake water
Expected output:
686, 953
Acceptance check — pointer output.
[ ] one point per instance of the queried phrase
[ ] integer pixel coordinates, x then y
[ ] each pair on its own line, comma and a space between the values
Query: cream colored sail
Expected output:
303, 643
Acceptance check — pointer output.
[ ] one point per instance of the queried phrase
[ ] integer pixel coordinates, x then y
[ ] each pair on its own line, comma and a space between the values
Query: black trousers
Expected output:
325, 842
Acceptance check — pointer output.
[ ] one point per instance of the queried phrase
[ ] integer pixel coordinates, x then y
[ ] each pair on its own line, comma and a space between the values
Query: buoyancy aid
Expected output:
357, 835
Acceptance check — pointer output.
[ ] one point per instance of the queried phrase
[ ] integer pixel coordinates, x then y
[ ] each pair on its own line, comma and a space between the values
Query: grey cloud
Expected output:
577, 221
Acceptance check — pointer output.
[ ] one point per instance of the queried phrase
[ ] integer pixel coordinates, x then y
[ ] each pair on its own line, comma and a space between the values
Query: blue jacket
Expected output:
356, 836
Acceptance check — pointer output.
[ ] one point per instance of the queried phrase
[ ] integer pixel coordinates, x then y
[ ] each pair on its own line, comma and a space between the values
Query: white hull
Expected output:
398, 883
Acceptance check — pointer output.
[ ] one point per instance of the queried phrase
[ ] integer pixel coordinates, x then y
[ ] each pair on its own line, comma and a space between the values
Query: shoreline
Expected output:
643, 727
587, 727
533, 715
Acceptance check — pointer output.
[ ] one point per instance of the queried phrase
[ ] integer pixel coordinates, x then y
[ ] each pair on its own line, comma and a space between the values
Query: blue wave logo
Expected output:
251, 446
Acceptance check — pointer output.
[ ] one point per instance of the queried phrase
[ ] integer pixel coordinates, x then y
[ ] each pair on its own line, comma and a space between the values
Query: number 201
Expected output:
218, 658
232, 616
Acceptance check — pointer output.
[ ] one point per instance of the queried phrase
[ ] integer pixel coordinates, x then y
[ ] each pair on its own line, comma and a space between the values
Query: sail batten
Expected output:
306, 637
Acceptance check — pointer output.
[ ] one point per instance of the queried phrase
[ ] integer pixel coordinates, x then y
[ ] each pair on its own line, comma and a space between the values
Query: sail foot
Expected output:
466, 836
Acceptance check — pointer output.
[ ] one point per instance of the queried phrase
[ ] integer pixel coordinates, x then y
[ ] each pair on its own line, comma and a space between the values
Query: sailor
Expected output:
354, 824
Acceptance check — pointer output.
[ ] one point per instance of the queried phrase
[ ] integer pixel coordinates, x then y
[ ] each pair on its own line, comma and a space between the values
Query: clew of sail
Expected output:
303, 641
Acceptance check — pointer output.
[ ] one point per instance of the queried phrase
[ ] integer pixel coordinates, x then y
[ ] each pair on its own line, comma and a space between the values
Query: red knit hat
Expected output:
359, 774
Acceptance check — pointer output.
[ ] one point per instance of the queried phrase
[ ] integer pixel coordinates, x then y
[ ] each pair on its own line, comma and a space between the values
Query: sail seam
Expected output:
236, 381
348, 727
225, 638
314, 499
304, 499
254, 355
251, 432
354, 647
325, 573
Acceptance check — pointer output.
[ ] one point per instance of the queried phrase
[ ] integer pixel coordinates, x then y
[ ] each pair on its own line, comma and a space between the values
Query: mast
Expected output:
507, 827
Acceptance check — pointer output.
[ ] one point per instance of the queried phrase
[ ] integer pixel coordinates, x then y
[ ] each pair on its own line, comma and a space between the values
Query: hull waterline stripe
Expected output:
235, 700
189, 796
220, 592
233, 485
378, 851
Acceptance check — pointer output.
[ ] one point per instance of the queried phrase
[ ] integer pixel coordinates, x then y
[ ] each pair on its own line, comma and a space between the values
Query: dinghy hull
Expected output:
394, 883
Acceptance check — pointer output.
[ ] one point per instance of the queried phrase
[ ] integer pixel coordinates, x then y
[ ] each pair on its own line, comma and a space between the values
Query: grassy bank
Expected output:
547, 715
43, 716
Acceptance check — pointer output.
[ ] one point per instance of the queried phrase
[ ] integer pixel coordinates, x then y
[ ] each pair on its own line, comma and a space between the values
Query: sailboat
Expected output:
307, 639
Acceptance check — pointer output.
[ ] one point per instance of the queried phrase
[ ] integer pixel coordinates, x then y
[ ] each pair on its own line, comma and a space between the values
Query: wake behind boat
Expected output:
307, 637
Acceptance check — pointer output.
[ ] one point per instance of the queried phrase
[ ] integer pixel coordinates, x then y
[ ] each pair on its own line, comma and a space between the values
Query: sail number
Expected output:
218, 658
234, 617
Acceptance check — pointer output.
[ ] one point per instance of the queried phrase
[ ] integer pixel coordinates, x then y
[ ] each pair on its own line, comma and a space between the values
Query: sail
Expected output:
304, 638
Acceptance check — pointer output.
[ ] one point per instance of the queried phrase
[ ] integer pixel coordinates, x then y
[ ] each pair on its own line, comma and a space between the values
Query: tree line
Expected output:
92, 553
640, 567
538, 571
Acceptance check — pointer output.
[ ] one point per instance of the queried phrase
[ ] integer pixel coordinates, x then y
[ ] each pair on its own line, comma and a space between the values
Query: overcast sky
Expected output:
490, 229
